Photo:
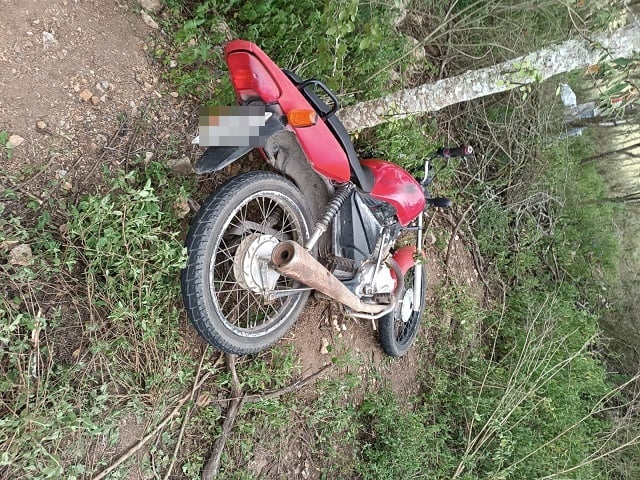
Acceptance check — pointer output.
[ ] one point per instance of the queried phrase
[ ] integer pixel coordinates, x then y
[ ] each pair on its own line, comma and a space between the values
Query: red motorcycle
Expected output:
319, 219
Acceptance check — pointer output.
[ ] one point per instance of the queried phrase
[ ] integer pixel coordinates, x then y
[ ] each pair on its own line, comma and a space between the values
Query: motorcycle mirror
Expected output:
427, 179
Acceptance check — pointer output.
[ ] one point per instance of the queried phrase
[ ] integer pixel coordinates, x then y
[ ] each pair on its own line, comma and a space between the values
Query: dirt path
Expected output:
70, 72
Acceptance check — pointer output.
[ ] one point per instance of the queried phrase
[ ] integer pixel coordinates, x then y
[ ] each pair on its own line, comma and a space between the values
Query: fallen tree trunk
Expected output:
534, 67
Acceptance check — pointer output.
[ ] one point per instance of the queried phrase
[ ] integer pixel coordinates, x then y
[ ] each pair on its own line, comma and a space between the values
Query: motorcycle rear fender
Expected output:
216, 158
321, 148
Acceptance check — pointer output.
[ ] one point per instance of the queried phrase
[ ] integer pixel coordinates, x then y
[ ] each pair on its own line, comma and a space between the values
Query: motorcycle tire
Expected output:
398, 329
227, 273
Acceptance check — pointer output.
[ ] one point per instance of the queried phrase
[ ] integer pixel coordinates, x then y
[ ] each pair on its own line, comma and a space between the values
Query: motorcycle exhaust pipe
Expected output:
292, 260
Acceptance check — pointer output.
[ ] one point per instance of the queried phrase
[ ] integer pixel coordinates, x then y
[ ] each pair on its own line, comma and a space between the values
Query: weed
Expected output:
119, 257
339, 42
5, 146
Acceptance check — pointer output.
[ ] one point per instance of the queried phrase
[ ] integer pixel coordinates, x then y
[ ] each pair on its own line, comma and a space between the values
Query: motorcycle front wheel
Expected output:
398, 329
233, 298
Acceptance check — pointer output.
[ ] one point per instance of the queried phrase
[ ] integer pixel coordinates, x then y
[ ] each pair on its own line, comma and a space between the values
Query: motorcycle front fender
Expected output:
216, 158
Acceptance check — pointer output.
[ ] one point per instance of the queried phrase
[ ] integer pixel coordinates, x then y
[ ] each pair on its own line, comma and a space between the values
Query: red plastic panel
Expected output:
404, 258
323, 151
397, 187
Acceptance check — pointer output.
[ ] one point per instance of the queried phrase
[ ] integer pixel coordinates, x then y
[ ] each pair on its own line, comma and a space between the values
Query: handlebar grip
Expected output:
461, 151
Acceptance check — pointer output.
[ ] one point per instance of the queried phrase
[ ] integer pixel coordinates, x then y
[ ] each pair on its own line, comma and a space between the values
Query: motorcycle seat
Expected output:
361, 175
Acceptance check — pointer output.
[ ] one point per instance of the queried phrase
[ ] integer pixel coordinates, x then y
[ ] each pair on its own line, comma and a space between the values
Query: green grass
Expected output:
5, 146
509, 391
91, 326
342, 43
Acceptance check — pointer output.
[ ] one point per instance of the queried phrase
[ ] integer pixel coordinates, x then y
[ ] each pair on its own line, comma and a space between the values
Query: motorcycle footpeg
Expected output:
441, 202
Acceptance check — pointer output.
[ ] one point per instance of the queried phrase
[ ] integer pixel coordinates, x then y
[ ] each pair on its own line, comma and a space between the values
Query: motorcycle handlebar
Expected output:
461, 151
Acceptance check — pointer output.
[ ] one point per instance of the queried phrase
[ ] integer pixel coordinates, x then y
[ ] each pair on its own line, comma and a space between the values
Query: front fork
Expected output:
417, 271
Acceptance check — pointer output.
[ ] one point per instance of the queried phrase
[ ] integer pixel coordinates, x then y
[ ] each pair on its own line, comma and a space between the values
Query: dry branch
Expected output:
185, 419
453, 235
210, 470
238, 399
144, 440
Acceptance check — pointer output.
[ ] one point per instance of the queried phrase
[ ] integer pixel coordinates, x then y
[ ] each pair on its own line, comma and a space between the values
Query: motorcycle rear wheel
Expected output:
398, 329
227, 280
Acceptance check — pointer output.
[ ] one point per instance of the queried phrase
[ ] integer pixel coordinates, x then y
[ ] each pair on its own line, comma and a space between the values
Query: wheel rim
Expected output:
405, 318
240, 278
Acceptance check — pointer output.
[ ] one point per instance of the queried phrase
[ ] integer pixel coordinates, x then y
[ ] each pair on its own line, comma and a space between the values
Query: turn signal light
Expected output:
302, 118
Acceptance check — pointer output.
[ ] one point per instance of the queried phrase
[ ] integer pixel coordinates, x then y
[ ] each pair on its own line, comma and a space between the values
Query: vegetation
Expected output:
514, 382
343, 42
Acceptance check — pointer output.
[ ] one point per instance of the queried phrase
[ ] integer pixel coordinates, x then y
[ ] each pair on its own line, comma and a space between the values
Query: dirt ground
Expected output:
74, 80
73, 75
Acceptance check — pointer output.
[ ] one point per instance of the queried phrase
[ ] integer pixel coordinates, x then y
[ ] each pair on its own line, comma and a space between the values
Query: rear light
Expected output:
250, 77
302, 118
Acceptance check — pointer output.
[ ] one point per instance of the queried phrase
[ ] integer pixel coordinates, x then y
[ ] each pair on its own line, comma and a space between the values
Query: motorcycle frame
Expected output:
312, 156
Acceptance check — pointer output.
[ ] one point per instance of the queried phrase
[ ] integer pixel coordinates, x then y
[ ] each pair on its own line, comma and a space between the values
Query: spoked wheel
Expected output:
235, 300
398, 329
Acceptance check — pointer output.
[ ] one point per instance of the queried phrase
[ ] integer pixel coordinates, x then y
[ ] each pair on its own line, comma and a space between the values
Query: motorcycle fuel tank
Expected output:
396, 186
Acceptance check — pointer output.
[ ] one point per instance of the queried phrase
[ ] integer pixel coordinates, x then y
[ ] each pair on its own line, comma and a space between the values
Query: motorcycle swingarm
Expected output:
216, 158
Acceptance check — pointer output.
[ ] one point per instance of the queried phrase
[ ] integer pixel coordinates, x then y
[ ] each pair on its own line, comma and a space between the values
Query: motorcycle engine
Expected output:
370, 285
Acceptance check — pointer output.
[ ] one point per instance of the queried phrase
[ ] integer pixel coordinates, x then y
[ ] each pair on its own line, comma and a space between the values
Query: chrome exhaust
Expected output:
292, 260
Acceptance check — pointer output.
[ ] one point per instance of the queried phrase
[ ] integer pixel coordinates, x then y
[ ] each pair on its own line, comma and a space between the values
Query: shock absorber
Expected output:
330, 211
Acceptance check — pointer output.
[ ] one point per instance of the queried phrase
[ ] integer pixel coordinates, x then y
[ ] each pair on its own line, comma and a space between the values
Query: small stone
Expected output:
224, 29
148, 86
173, 64
15, 141
9, 244
41, 125
174, 94
181, 207
146, 18
324, 349
21, 255
95, 100
106, 85
151, 5
86, 95
334, 324
181, 166
48, 39
66, 185
60, 174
